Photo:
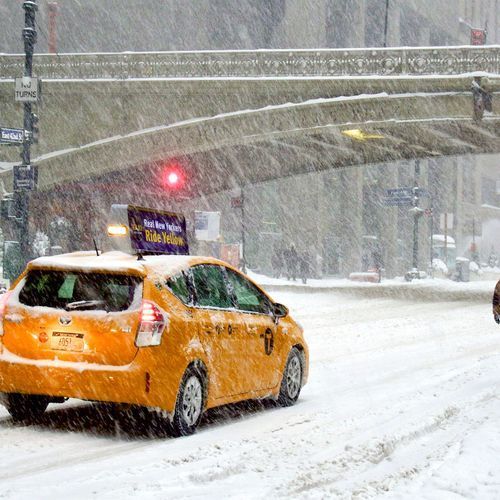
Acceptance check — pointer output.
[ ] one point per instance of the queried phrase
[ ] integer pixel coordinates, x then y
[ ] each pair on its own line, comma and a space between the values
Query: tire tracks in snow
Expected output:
79, 457
368, 468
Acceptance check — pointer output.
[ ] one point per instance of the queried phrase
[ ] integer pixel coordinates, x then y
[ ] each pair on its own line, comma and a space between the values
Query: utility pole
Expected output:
21, 195
386, 23
416, 214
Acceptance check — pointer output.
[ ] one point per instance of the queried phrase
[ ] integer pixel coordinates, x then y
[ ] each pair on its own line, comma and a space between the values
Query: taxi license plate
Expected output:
65, 341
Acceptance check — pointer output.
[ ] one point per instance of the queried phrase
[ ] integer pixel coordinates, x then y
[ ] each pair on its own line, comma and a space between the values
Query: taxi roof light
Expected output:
117, 230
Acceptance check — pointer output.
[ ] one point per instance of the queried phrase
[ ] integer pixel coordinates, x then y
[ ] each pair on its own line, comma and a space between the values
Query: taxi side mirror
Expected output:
279, 310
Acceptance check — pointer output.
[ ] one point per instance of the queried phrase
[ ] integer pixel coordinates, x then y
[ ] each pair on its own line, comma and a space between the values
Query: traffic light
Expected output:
35, 132
173, 177
482, 97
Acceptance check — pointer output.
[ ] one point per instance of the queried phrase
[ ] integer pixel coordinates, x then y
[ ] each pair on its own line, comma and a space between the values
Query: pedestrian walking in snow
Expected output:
292, 262
277, 262
378, 263
304, 264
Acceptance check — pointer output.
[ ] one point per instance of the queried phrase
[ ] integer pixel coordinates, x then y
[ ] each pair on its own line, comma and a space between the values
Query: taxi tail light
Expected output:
151, 326
3, 304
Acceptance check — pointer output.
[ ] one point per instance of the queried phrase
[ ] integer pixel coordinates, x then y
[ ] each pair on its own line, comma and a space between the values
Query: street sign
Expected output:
26, 89
398, 197
207, 226
446, 221
236, 202
477, 36
25, 177
11, 135
423, 193
398, 202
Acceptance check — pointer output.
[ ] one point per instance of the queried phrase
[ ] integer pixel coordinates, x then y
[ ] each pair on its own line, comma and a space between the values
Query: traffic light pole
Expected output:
416, 199
21, 195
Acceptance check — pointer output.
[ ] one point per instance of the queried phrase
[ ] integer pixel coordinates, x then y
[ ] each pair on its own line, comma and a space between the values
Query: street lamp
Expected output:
416, 212
21, 195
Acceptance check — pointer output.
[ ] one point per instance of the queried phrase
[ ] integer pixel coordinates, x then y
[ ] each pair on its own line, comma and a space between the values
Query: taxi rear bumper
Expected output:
126, 384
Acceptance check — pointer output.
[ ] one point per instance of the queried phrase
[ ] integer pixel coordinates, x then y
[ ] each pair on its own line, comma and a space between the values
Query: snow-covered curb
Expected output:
424, 290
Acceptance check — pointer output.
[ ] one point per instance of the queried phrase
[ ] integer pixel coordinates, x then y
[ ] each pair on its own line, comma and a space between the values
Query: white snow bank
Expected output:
439, 265
418, 289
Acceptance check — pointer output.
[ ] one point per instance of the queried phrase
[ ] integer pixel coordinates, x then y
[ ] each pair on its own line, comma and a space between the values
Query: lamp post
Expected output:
416, 212
22, 195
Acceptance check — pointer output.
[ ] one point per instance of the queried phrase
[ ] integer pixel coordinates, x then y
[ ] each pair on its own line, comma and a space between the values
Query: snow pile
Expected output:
439, 265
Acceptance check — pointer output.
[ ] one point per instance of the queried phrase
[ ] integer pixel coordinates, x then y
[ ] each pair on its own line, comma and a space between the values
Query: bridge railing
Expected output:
261, 63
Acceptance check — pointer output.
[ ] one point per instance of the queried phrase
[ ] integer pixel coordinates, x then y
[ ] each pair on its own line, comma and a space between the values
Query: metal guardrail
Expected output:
262, 63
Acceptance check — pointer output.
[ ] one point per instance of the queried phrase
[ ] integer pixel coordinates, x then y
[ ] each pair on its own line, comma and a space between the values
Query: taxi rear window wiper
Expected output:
84, 304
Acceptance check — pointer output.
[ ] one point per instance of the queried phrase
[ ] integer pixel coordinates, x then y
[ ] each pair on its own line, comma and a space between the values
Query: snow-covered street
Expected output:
403, 400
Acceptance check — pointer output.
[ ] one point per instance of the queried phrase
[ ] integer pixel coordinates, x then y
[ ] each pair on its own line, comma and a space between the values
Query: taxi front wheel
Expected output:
292, 379
25, 406
189, 405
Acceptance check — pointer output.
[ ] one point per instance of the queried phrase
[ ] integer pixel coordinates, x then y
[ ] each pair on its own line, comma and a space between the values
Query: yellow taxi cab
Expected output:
176, 333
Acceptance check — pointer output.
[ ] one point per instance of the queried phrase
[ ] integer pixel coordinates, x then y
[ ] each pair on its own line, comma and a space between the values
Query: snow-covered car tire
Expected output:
23, 407
291, 383
190, 404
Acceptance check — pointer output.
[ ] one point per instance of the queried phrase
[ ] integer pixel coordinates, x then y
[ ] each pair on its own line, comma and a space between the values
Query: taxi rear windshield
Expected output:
77, 291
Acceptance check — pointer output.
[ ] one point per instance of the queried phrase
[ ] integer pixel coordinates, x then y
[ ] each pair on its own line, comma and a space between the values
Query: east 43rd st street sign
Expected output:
10, 135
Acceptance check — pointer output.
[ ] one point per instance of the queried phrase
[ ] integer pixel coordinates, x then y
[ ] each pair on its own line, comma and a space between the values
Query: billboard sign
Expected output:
157, 232
146, 231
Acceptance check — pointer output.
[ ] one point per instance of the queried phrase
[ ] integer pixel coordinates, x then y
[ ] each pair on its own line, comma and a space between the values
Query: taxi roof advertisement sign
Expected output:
157, 232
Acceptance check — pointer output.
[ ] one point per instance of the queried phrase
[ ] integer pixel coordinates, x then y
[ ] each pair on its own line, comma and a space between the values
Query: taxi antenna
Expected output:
95, 246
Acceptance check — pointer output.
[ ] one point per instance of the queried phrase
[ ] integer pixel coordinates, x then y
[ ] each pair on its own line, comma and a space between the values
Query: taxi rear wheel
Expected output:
25, 406
291, 383
189, 405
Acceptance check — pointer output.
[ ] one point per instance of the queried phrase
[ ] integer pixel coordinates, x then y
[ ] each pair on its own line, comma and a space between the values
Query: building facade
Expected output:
150, 25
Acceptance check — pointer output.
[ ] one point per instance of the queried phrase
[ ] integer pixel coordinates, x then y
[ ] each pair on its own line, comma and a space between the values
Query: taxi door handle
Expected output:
208, 327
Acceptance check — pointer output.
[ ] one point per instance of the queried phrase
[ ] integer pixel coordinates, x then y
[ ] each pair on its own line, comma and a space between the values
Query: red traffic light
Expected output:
173, 177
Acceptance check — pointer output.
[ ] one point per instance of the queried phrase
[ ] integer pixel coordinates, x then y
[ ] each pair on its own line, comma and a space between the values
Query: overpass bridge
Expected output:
233, 118
107, 112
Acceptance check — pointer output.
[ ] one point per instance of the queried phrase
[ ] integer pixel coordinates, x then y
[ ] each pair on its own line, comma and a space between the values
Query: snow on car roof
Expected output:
166, 265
